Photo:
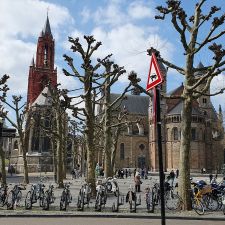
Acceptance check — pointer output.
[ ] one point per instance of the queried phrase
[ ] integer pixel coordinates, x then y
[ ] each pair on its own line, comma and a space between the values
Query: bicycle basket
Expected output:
205, 190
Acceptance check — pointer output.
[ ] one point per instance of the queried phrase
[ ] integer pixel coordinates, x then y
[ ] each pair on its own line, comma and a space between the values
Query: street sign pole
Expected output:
160, 155
154, 79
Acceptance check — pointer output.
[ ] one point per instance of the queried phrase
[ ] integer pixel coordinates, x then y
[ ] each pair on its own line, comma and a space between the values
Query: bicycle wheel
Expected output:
41, 196
211, 203
80, 203
98, 205
28, 200
2, 199
63, 201
198, 206
45, 203
130, 201
18, 198
10, 200
173, 201
149, 202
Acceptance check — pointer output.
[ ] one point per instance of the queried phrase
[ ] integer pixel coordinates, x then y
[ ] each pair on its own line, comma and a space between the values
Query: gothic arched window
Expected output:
122, 154
175, 134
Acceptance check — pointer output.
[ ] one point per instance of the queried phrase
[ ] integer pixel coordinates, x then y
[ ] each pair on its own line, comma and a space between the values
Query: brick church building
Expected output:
137, 146
41, 71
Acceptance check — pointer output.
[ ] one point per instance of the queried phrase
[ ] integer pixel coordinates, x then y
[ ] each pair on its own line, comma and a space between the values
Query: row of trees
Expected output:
96, 78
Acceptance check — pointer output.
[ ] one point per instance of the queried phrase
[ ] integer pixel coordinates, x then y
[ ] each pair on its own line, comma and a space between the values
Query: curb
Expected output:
137, 216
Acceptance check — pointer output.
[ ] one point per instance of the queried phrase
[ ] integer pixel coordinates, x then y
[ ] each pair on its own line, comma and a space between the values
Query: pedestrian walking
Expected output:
177, 173
172, 177
129, 173
138, 182
135, 172
126, 173
210, 178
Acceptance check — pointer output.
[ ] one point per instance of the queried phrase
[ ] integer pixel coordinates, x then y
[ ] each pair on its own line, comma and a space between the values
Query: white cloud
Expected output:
20, 25
86, 15
217, 84
128, 44
138, 10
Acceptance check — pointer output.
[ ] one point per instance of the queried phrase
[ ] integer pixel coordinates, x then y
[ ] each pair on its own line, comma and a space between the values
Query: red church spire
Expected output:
43, 70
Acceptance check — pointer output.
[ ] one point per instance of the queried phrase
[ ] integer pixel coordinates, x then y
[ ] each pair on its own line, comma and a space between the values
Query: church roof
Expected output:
173, 102
178, 108
43, 100
134, 104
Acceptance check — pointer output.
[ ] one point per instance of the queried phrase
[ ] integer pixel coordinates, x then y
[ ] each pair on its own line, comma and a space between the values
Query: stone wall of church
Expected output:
136, 152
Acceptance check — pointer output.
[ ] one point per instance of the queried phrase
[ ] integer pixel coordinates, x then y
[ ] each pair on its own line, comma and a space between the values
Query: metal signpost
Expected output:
155, 78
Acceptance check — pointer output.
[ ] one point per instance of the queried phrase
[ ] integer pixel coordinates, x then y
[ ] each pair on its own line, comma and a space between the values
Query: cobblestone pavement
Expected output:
124, 184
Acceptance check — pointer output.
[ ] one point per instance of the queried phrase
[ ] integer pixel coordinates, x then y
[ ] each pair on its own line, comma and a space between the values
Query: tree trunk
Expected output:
23, 145
114, 148
54, 155
184, 163
25, 166
59, 164
89, 133
2, 156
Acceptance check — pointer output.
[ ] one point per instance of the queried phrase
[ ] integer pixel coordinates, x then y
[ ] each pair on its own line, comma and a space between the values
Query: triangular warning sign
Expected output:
154, 75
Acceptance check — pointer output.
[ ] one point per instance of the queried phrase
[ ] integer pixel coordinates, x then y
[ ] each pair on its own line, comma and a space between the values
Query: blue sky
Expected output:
125, 27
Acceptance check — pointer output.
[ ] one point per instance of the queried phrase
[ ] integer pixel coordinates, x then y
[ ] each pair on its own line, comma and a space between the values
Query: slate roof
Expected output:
178, 108
42, 100
134, 104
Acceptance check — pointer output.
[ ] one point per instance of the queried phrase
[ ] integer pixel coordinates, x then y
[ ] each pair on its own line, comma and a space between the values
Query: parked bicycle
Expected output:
101, 196
3, 195
133, 200
149, 199
14, 197
118, 203
112, 186
66, 197
84, 196
36, 193
48, 198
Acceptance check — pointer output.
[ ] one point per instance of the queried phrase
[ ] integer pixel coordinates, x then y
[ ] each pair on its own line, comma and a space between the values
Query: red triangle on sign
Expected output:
154, 76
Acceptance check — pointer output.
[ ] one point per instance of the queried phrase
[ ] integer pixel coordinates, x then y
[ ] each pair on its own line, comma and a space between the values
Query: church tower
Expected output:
42, 70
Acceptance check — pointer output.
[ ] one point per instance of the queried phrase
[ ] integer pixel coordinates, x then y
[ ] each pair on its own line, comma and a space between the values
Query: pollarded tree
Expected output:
53, 122
89, 85
3, 91
110, 76
22, 129
194, 37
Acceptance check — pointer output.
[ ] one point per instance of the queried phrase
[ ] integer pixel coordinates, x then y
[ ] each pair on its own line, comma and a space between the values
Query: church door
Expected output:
141, 162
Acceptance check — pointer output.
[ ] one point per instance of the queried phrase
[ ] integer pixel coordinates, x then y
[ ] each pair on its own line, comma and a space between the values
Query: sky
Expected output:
126, 28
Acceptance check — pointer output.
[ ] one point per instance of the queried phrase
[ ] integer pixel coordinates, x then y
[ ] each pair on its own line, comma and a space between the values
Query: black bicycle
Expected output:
3, 195
149, 199
84, 196
66, 197
14, 197
101, 196
48, 198
133, 200
36, 193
